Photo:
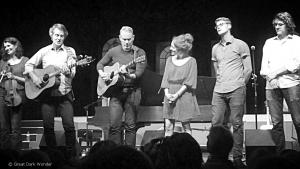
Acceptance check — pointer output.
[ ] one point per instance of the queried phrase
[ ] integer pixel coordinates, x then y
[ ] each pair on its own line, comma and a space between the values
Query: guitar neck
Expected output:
129, 64
59, 70
117, 71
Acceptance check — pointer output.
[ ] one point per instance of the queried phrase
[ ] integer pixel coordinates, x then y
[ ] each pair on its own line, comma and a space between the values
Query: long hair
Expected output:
15, 42
287, 19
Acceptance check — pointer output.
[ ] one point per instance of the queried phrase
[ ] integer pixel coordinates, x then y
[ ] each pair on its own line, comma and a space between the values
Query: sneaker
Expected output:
238, 164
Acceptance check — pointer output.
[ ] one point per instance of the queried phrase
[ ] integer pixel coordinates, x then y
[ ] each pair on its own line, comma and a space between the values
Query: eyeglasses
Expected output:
220, 24
278, 24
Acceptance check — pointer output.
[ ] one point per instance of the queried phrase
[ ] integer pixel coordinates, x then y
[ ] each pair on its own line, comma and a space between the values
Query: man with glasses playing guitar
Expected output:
119, 72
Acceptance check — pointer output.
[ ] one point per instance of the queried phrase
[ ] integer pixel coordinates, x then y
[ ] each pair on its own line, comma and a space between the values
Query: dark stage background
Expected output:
92, 22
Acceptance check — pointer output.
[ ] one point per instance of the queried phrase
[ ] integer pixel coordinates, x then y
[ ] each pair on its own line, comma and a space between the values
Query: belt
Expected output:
128, 89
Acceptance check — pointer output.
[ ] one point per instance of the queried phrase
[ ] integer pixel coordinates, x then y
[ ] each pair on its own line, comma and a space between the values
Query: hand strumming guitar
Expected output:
35, 79
124, 71
104, 75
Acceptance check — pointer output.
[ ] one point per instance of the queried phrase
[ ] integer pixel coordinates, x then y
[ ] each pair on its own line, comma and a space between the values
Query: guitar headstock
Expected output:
84, 60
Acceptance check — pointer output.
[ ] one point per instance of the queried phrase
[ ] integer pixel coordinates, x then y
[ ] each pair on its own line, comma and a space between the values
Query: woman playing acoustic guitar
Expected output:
12, 94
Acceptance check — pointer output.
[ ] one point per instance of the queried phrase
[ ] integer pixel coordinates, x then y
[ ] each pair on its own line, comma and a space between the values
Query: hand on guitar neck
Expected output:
41, 79
66, 70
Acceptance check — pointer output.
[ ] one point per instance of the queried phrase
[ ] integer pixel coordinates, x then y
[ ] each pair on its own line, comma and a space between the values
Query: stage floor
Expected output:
199, 132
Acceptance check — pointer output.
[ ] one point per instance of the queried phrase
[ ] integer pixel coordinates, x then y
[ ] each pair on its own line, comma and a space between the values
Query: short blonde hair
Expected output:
126, 29
227, 20
183, 42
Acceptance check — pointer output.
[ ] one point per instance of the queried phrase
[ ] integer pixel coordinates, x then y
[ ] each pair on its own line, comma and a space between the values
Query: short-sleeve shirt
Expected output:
229, 57
186, 106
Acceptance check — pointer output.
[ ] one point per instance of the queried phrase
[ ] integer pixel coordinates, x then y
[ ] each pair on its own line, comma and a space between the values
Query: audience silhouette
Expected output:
219, 145
179, 151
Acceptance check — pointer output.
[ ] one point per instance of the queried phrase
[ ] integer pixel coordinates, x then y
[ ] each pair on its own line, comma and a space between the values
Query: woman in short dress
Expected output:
179, 83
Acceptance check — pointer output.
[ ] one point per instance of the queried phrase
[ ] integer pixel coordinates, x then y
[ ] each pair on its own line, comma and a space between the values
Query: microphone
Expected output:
253, 61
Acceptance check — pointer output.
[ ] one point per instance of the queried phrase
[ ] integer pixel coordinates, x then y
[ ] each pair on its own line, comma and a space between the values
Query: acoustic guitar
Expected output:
114, 71
48, 76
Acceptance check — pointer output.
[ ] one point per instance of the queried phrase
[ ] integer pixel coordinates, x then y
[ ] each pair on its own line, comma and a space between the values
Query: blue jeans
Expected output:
63, 106
275, 101
231, 105
127, 103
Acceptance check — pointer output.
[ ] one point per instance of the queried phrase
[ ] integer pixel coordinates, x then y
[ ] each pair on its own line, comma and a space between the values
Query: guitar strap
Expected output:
70, 54
135, 50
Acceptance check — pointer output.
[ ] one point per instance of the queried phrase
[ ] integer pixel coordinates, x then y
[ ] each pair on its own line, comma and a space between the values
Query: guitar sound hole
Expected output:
111, 75
107, 82
46, 77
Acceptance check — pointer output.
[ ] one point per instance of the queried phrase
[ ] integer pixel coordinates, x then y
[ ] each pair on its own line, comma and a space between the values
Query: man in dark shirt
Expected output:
125, 96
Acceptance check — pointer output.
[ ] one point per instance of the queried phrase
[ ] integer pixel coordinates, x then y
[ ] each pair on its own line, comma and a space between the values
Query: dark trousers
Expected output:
275, 101
231, 104
127, 103
62, 105
10, 120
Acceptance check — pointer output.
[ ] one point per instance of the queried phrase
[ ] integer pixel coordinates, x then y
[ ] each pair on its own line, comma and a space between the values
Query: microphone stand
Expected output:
86, 108
254, 85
